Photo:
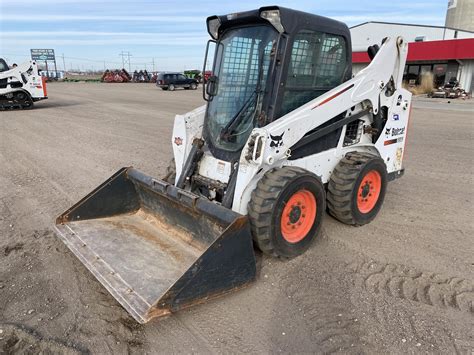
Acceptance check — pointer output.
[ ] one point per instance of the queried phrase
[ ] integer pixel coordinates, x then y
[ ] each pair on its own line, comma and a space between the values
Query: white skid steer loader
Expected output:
21, 86
286, 132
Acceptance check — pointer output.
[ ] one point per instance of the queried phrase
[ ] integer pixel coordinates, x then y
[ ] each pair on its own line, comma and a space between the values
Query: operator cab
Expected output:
267, 63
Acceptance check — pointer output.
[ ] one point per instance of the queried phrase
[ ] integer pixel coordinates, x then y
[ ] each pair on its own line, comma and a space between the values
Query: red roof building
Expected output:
446, 52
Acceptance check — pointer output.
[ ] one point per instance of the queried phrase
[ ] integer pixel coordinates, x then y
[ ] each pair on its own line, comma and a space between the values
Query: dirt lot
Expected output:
403, 284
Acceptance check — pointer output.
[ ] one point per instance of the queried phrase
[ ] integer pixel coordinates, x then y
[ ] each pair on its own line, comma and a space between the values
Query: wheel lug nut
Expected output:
299, 223
303, 215
288, 223
294, 227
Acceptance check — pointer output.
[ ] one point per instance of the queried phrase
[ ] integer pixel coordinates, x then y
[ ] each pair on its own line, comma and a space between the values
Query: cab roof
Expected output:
291, 20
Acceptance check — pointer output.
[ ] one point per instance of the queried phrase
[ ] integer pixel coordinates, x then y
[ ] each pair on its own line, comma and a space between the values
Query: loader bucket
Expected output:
156, 248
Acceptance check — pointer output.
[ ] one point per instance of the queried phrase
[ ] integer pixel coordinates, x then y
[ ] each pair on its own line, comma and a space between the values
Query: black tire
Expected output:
171, 87
170, 176
269, 201
164, 89
345, 187
193, 86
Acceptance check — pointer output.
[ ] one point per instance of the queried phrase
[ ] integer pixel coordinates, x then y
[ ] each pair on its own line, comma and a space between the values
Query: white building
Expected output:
446, 52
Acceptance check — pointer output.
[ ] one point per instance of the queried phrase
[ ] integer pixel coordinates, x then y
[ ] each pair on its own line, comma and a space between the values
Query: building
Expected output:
460, 14
445, 51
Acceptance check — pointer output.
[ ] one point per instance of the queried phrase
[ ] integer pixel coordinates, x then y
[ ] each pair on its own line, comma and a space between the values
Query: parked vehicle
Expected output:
286, 131
171, 81
21, 86
450, 90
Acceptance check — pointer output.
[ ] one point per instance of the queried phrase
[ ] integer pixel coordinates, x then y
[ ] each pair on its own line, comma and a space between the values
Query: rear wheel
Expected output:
171, 87
357, 188
286, 210
193, 86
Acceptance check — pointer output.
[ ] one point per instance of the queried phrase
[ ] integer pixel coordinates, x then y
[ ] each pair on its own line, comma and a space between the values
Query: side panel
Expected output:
186, 128
391, 143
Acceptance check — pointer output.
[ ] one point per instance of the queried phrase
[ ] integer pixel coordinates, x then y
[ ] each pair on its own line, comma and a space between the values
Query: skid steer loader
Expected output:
287, 132
21, 86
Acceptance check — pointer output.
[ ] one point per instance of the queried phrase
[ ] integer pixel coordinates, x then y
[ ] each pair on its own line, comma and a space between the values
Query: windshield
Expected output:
241, 67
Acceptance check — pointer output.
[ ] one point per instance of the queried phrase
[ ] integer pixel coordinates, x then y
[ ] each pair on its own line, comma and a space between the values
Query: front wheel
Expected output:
286, 210
193, 86
357, 188
171, 87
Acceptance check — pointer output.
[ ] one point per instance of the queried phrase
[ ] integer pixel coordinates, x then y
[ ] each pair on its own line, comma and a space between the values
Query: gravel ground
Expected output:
402, 284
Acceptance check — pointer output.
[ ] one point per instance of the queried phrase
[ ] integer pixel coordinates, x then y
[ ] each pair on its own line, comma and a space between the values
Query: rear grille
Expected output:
353, 132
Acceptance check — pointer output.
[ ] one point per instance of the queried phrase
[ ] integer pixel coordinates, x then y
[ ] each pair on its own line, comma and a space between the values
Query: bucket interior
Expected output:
138, 254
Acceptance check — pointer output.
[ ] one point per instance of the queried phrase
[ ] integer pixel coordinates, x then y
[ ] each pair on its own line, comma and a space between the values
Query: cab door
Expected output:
182, 81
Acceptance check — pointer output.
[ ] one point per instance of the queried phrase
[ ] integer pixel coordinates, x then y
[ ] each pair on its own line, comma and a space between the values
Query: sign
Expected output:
42, 54
452, 4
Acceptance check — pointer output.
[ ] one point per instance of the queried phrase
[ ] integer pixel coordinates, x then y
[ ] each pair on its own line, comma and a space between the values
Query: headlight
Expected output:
273, 16
213, 27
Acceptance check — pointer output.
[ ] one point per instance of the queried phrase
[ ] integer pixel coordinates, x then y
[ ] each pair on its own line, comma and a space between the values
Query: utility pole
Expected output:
126, 60
64, 63
153, 63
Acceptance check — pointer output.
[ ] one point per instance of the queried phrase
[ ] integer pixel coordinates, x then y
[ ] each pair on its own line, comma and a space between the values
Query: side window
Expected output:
317, 65
3, 65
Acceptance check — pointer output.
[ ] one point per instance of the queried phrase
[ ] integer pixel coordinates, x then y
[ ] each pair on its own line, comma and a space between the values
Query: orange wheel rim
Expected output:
298, 216
369, 191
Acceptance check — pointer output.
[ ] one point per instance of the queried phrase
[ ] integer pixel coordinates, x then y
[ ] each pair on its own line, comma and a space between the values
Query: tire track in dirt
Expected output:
19, 339
408, 283
315, 304
326, 319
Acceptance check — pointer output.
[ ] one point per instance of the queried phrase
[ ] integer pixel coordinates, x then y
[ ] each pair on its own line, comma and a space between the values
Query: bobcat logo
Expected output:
387, 131
399, 100
277, 141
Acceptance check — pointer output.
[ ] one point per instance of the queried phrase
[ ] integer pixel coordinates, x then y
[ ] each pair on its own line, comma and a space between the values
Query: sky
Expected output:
161, 34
